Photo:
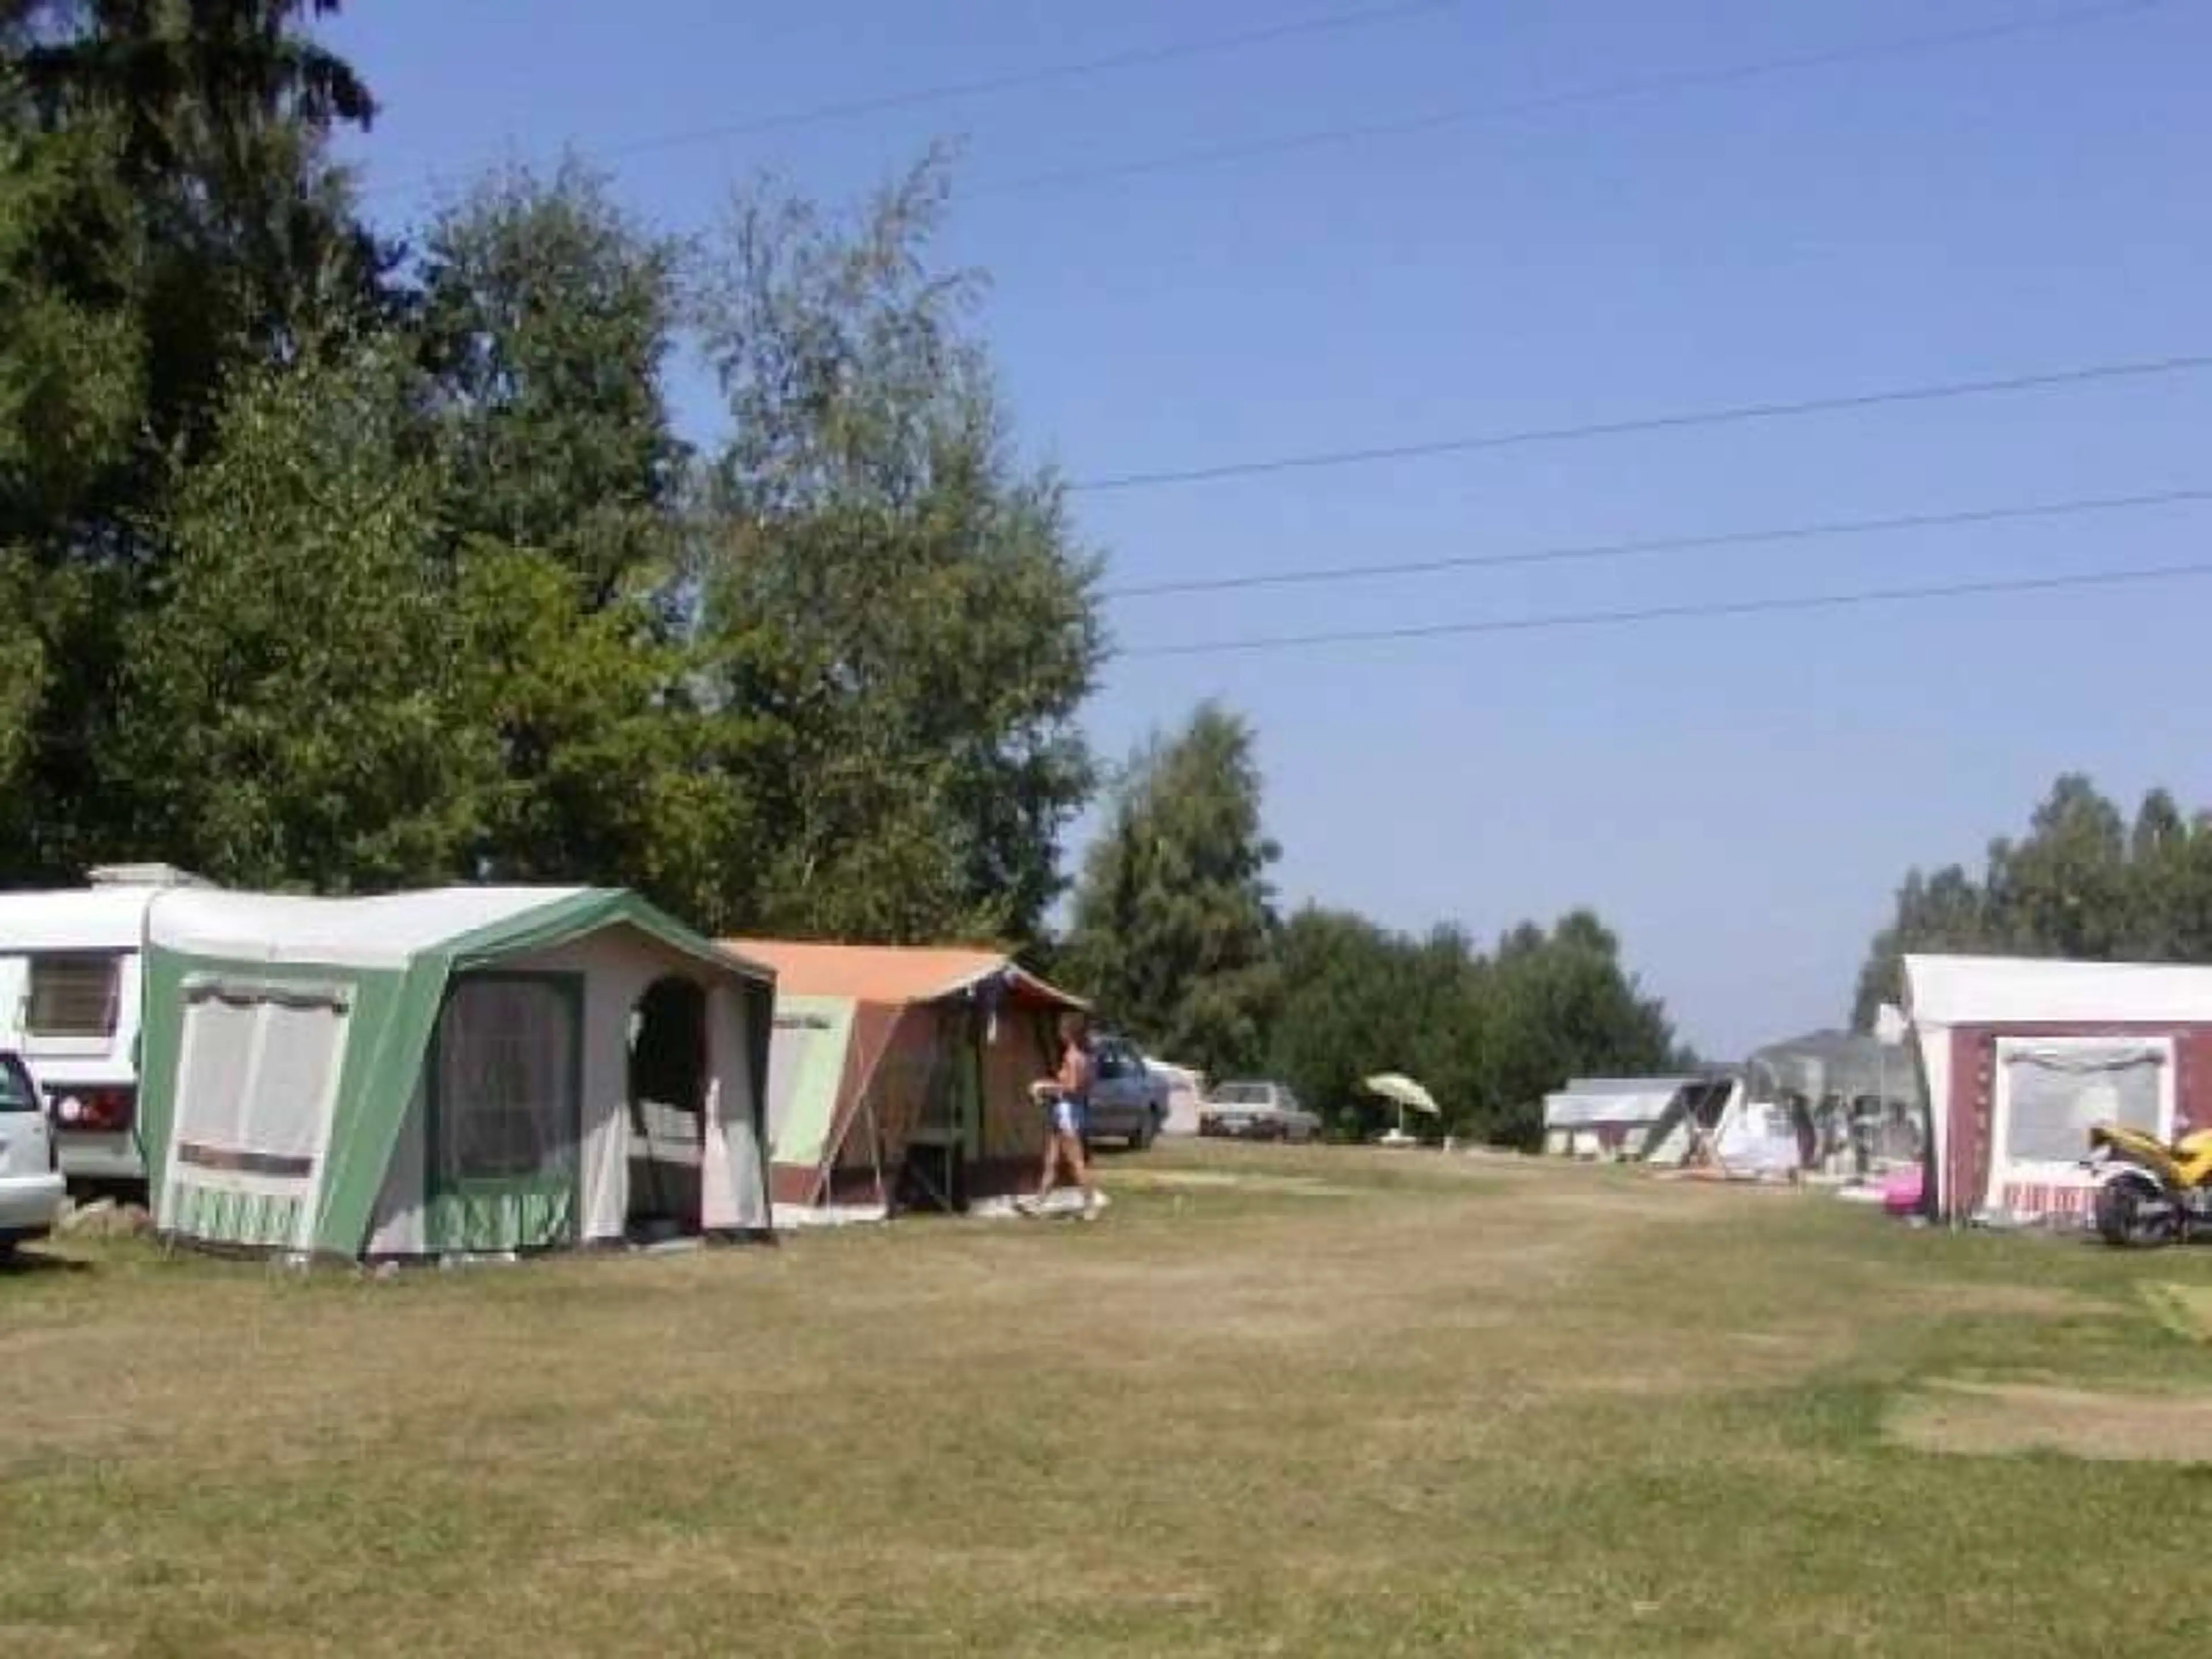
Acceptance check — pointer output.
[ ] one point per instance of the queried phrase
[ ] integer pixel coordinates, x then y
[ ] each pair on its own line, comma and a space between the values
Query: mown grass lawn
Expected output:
1296, 1402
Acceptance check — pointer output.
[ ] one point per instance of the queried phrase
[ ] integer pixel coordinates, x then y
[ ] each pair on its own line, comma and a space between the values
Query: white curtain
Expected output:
284, 1112
733, 1164
2056, 1092
218, 1055
257, 1073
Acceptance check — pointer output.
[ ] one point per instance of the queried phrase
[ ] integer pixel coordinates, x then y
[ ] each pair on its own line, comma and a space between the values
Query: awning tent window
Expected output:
218, 1053
506, 1083
2054, 1092
258, 1082
286, 1111
259, 1070
793, 1048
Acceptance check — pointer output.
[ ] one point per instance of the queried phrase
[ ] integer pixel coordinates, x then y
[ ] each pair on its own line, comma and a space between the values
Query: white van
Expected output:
69, 986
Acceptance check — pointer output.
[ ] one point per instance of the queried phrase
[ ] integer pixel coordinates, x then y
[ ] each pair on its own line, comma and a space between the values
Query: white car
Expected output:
30, 1174
1256, 1111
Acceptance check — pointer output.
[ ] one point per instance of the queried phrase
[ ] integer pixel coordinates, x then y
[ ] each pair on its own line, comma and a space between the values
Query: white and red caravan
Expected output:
2020, 1057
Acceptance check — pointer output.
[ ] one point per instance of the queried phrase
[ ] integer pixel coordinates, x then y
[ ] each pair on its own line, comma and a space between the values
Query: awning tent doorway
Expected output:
669, 1075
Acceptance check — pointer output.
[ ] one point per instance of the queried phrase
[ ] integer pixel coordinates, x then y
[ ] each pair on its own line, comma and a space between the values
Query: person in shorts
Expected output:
1063, 1097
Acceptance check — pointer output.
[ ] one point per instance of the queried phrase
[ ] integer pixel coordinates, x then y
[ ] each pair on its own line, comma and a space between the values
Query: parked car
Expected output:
1256, 1111
1129, 1099
30, 1166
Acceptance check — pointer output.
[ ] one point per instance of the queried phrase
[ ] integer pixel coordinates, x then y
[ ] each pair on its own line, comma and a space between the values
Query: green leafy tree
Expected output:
2084, 882
1943, 912
600, 771
2061, 891
896, 628
289, 702
181, 69
68, 401
169, 223
547, 315
1356, 998
1174, 922
240, 243
1564, 1005
1489, 1035
1341, 1012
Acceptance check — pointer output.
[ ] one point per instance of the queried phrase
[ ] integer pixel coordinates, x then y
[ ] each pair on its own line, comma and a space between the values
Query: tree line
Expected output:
340, 560
343, 562
2086, 882
1174, 929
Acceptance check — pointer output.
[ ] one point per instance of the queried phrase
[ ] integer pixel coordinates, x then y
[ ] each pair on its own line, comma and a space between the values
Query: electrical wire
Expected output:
1573, 552
1728, 415
1044, 74
1601, 93
1558, 620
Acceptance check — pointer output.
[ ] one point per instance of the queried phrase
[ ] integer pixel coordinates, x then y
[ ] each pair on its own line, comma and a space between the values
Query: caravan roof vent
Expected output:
143, 875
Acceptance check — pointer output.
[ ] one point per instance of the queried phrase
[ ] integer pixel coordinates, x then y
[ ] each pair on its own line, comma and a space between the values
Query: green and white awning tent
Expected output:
453, 1072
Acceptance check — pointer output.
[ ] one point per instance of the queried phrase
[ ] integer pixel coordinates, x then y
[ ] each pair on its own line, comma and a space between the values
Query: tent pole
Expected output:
1880, 1100
876, 1155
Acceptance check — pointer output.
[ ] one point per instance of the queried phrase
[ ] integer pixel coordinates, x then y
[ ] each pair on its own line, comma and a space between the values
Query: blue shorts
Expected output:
1067, 1117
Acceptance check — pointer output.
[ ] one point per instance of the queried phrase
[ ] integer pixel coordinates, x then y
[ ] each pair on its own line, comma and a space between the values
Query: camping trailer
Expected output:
70, 1002
901, 1077
1613, 1117
2020, 1057
456, 1071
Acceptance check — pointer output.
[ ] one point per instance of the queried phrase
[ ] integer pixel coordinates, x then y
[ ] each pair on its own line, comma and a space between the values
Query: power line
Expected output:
1044, 74
1609, 92
1576, 552
1560, 621
1728, 415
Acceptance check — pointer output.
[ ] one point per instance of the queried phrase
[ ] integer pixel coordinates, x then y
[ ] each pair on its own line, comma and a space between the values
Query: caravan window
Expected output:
73, 994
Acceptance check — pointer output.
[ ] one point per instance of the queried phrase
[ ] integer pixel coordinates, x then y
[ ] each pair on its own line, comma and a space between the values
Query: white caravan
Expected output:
69, 982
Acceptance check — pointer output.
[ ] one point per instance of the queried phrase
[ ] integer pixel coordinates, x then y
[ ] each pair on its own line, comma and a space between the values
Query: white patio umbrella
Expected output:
1404, 1093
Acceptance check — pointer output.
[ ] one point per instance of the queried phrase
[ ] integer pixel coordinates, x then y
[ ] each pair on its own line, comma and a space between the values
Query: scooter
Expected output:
2150, 1191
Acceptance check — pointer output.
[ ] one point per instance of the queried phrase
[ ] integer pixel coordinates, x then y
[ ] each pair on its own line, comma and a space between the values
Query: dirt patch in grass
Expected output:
1994, 1419
1637, 1198
1253, 1181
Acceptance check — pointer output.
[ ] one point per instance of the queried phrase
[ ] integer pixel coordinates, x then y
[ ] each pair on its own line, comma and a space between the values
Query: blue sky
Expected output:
1737, 796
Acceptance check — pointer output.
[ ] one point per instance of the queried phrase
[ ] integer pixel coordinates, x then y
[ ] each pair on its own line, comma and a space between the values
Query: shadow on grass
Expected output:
19, 1263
